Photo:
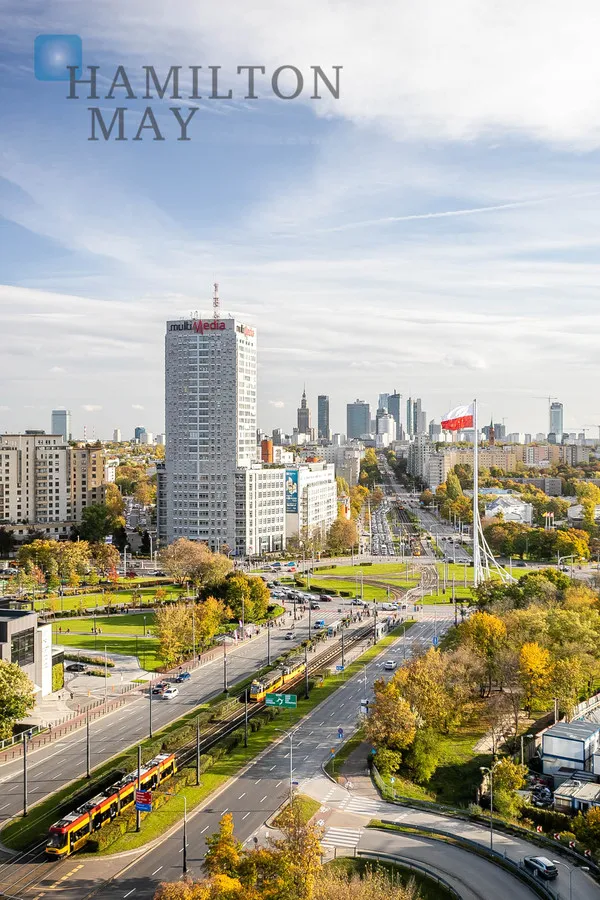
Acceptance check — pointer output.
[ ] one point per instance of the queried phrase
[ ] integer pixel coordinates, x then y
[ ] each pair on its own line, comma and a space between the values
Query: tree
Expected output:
421, 758
342, 535
391, 722
299, 852
173, 626
145, 544
422, 684
210, 616
534, 669
114, 502
223, 850
7, 542
387, 761
260, 597
17, 697
144, 493
97, 522
105, 557
587, 828
453, 488
486, 635
186, 560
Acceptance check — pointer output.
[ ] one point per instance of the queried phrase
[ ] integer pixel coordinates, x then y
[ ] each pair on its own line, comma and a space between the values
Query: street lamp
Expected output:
290, 734
569, 869
490, 771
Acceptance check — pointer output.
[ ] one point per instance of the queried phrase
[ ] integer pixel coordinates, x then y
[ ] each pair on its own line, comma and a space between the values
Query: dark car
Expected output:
183, 676
541, 866
326, 598
160, 687
76, 667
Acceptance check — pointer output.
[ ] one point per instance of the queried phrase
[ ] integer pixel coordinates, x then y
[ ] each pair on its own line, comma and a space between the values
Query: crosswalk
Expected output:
341, 837
363, 806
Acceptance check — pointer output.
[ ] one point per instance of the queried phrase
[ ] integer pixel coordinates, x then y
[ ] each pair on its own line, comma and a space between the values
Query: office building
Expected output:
260, 525
117, 436
435, 431
266, 451
358, 419
303, 419
277, 437
386, 429
383, 402
210, 400
137, 434
61, 423
160, 439
556, 420
419, 418
29, 645
393, 407
409, 418
323, 431
346, 460
45, 483
310, 499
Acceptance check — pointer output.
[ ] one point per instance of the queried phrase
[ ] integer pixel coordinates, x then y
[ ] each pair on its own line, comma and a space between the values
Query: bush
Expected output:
387, 761
475, 809
99, 673
421, 758
178, 739
566, 836
58, 677
550, 821
90, 660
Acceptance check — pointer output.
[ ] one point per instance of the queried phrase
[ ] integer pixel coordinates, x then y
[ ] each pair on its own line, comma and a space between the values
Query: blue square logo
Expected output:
53, 53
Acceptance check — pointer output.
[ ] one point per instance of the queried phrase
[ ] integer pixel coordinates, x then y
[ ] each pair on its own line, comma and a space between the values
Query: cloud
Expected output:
91, 407
4, 408
57, 370
278, 404
136, 406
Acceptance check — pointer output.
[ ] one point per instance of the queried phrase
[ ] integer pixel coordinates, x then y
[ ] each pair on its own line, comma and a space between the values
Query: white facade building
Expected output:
511, 509
260, 510
311, 499
210, 399
346, 460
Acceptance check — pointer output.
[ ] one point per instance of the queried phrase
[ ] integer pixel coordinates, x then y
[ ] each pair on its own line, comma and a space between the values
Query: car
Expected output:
290, 636
183, 676
170, 693
541, 866
521, 564
326, 598
76, 667
314, 605
389, 665
160, 687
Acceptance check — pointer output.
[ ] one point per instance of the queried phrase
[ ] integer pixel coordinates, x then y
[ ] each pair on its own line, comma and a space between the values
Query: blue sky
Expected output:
434, 231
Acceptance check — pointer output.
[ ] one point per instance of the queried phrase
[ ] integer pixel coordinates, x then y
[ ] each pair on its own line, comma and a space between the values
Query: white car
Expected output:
389, 665
170, 693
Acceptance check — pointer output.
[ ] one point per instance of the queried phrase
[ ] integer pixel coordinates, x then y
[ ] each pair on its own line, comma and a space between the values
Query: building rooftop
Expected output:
581, 790
574, 731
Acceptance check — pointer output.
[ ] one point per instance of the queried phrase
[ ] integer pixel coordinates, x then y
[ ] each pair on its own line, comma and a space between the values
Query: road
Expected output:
58, 763
251, 798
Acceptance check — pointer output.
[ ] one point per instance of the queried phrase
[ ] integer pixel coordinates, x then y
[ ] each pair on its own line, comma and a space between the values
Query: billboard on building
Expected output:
291, 490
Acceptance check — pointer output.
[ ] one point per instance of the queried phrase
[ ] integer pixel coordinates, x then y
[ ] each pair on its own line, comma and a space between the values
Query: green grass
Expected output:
128, 624
147, 648
307, 808
156, 823
458, 773
115, 598
334, 766
375, 569
398, 874
369, 592
458, 571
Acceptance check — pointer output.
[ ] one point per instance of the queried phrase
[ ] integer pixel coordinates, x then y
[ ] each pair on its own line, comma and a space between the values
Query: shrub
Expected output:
421, 758
475, 809
550, 821
58, 677
387, 761
90, 660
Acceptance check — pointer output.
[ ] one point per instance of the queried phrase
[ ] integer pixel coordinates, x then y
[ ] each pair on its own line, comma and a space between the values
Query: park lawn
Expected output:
128, 624
146, 649
375, 569
460, 592
457, 570
114, 598
369, 593
157, 822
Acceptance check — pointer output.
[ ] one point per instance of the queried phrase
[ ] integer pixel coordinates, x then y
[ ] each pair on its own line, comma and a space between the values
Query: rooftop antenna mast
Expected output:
216, 301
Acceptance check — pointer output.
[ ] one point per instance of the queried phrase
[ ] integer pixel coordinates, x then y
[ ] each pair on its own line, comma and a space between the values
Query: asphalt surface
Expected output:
58, 763
252, 798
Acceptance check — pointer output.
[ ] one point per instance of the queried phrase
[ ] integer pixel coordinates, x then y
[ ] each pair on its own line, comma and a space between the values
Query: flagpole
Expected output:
476, 556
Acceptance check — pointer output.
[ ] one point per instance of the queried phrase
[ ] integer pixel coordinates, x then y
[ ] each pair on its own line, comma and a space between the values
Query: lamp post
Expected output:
569, 869
490, 770
290, 735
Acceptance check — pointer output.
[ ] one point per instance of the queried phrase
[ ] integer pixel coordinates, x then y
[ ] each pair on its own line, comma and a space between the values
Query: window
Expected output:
22, 647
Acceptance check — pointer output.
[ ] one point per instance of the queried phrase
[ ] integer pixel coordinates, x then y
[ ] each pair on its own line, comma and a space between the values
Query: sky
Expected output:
435, 230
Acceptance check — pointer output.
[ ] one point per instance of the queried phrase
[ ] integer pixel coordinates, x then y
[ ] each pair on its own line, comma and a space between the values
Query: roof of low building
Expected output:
581, 790
573, 731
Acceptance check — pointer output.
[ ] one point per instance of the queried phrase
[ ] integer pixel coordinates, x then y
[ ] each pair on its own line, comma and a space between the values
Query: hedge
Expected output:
91, 660
58, 677
550, 820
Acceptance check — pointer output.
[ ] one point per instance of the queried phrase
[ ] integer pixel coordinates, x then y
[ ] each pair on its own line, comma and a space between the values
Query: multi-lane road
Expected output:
58, 763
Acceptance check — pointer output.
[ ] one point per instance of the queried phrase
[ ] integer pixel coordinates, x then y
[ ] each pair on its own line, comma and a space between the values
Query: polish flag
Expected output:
458, 418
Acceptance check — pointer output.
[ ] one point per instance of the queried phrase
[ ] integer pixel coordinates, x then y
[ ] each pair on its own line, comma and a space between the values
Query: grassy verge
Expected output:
307, 808
375, 569
429, 889
127, 624
351, 587
156, 823
340, 758
112, 598
146, 649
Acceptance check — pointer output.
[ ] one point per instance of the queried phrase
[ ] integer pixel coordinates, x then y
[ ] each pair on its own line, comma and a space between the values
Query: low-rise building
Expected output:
576, 796
570, 747
510, 508
28, 644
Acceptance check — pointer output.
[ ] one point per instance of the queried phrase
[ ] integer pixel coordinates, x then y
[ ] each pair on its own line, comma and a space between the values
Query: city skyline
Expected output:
413, 233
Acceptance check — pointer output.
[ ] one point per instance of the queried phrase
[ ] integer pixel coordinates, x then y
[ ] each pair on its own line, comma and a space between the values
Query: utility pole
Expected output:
198, 750
25, 774
225, 687
306, 672
342, 630
269, 643
246, 717
150, 705
138, 814
184, 835
87, 749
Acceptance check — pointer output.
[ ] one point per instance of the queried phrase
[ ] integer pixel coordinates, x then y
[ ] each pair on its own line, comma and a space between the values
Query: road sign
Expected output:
341, 734
287, 701
143, 801
340, 668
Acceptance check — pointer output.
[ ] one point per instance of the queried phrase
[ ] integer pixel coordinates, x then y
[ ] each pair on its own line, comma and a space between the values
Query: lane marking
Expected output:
263, 799
204, 829
156, 871
243, 817
128, 894
242, 795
